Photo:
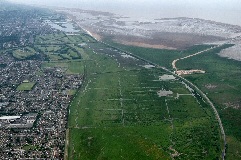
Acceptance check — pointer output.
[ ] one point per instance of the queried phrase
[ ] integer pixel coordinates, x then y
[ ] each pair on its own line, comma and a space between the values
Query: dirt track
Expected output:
175, 61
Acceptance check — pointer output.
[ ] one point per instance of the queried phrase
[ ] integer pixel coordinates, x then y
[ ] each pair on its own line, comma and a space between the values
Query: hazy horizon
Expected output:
226, 11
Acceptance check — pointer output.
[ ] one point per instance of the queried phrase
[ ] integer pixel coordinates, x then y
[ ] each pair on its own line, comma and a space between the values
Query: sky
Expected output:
227, 11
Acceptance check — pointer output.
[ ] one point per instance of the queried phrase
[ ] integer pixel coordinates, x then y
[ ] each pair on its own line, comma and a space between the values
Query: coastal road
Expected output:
174, 62
190, 84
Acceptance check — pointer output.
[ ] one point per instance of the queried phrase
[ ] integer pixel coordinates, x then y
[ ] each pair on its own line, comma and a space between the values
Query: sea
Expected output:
225, 11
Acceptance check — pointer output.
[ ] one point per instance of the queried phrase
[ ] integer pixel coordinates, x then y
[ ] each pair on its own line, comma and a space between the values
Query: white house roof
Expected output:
9, 117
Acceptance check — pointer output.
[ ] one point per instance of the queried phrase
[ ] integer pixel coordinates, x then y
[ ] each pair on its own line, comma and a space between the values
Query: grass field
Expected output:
24, 53
63, 53
70, 67
50, 39
60, 52
25, 86
117, 113
116, 108
161, 56
72, 92
29, 147
63, 47
82, 52
222, 83
62, 38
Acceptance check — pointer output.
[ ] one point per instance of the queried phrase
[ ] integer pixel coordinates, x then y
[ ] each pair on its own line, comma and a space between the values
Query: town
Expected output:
34, 99
87, 84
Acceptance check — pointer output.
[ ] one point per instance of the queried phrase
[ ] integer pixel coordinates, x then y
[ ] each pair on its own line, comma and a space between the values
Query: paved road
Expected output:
203, 95
215, 112
190, 84
174, 62
187, 82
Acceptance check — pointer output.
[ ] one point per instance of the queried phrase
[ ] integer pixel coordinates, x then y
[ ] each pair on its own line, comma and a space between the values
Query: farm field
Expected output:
162, 57
94, 85
222, 84
124, 103
118, 105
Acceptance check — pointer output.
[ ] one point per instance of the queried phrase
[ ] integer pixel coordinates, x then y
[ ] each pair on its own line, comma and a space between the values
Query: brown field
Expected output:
146, 45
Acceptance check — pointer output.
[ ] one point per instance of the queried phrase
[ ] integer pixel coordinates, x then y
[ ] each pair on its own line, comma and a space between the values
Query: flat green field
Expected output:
222, 83
26, 86
60, 52
50, 39
29, 147
117, 114
161, 56
63, 47
70, 67
24, 53
62, 38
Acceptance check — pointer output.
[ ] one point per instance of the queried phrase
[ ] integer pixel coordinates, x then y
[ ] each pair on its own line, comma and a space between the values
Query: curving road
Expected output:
214, 109
203, 95
190, 84
174, 62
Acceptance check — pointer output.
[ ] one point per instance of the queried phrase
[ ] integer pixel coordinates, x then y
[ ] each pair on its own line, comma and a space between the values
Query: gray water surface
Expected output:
226, 11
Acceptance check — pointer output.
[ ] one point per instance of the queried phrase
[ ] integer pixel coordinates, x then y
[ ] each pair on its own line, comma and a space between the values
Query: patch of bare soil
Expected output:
232, 52
175, 154
142, 44
210, 86
94, 34
170, 33
182, 40
97, 36
164, 40
185, 72
233, 105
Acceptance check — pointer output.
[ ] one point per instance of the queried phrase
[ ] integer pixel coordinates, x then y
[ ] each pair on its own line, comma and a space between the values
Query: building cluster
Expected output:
33, 121
184, 72
18, 27
25, 121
